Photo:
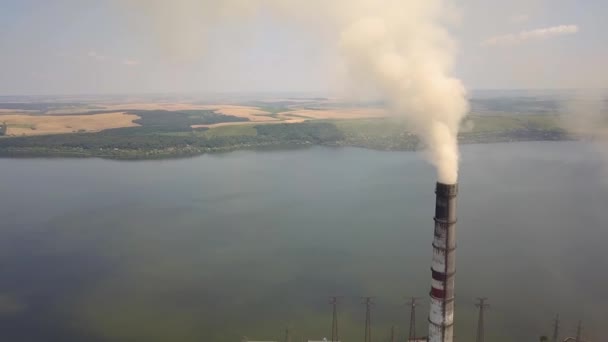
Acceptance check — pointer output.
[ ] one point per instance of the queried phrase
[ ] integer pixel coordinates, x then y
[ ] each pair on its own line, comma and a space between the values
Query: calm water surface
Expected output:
219, 247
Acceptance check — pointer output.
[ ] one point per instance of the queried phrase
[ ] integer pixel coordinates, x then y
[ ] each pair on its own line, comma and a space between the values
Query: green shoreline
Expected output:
167, 135
176, 153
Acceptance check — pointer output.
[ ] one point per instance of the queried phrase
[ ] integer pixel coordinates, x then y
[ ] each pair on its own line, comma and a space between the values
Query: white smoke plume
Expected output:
541, 33
400, 49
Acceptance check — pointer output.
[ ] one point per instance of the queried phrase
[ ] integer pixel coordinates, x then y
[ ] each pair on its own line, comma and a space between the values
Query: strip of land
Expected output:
138, 130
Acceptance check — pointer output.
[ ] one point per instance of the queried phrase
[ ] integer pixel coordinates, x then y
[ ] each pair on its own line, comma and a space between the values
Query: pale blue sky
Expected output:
105, 46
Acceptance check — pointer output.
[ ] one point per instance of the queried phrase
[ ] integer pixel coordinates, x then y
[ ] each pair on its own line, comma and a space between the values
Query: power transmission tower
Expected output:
334, 322
579, 331
412, 304
393, 333
368, 319
555, 329
287, 337
482, 306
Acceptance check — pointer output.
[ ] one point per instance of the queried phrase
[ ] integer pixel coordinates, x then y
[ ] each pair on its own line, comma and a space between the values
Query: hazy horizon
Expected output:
120, 46
471, 93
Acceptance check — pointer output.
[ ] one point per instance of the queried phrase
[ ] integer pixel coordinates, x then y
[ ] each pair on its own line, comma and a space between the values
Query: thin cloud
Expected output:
63, 54
96, 56
542, 33
130, 62
519, 18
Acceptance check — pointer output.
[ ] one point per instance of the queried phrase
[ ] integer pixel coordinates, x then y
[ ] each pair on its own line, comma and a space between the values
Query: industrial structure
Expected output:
287, 336
334, 321
441, 313
482, 305
579, 334
368, 319
556, 329
412, 335
443, 269
579, 331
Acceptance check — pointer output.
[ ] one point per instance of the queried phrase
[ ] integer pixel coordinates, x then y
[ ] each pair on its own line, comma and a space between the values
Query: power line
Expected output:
368, 319
412, 304
555, 337
334, 322
480, 324
579, 331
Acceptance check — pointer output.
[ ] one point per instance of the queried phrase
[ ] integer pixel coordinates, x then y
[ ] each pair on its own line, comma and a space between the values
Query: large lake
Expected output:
219, 247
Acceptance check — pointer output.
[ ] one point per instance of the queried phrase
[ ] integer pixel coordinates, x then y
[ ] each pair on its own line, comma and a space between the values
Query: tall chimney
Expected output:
441, 313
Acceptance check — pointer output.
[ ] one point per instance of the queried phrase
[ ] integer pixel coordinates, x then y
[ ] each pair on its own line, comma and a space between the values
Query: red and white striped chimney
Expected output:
441, 313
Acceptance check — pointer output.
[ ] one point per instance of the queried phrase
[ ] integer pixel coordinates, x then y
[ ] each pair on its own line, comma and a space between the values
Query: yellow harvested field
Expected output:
16, 111
55, 124
251, 113
274, 121
154, 106
68, 111
257, 116
352, 113
57, 121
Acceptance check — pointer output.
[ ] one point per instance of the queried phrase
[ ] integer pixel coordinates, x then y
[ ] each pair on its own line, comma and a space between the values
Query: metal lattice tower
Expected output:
412, 304
368, 319
579, 331
480, 329
334, 322
555, 336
